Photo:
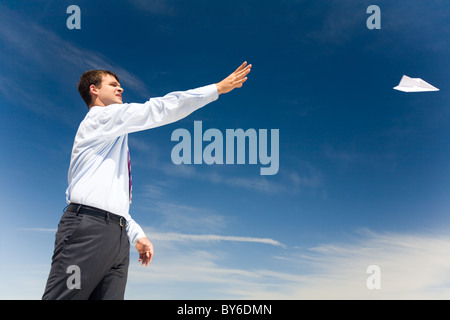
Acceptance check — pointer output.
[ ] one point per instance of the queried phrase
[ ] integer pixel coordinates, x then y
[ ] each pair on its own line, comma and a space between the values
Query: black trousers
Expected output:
90, 259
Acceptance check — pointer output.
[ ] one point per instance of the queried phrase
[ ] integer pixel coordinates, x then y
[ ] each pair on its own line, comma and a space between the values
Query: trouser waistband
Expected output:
92, 211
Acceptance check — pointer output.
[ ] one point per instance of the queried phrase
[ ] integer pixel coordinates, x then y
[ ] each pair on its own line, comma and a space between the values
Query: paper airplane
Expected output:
408, 84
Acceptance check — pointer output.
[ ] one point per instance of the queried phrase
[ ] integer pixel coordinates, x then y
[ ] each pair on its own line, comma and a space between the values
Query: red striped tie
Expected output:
129, 174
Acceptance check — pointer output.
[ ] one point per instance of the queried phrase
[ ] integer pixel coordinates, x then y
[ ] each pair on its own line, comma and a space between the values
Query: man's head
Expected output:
100, 87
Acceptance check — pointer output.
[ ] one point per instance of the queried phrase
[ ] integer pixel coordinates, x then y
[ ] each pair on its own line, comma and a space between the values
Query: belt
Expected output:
80, 208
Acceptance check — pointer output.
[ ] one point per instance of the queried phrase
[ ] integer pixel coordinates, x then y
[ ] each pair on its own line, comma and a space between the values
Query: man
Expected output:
91, 255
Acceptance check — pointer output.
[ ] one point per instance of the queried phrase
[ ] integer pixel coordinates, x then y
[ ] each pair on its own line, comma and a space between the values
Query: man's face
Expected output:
110, 91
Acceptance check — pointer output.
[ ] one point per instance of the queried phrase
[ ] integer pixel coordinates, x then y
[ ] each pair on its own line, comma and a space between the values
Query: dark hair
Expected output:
92, 77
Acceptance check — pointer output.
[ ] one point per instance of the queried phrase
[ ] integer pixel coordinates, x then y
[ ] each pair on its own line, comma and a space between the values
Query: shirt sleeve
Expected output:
119, 119
134, 230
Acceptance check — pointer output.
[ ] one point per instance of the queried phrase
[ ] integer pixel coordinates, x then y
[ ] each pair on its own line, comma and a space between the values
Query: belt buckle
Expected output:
122, 221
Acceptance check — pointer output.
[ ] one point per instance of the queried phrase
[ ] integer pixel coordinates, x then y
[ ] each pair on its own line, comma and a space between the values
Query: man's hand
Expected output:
145, 249
234, 80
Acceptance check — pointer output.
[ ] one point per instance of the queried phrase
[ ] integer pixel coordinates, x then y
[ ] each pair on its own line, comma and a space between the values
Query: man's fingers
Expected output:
145, 249
242, 66
143, 259
146, 257
239, 83
149, 257
241, 75
244, 69
243, 72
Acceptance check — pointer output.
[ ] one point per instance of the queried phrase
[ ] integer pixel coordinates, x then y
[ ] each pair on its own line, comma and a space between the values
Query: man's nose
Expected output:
120, 89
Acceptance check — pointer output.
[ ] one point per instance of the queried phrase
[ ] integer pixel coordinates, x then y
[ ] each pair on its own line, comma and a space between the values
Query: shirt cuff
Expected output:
134, 232
211, 91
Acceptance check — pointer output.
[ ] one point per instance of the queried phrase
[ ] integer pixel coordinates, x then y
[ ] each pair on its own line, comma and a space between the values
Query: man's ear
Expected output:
93, 89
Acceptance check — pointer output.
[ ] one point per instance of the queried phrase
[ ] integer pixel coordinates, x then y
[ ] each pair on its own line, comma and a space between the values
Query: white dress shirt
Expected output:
98, 172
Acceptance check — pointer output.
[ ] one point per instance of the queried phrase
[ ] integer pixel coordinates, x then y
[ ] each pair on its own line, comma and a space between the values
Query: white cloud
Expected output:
52, 230
177, 216
172, 236
412, 266
36, 51
287, 181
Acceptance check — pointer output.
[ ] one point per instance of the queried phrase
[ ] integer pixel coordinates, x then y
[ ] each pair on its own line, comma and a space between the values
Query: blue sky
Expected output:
364, 171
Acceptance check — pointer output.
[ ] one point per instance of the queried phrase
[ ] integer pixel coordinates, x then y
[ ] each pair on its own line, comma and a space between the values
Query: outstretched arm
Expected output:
234, 80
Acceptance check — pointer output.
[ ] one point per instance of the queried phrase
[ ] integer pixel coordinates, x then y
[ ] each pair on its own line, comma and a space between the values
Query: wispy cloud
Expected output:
337, 25
351, 156
52, 230
344, 21
291, 181
171, 236
30, 49
287, 181
180, 216
156, 7
412, 266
